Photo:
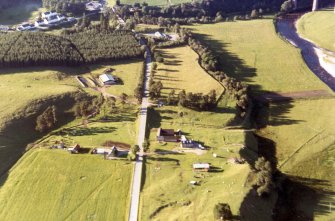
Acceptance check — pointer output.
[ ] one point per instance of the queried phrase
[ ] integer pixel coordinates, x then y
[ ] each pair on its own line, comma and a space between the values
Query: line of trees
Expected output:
210, 62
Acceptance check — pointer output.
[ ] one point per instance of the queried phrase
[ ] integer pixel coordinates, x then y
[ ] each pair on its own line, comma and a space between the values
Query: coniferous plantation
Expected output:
72, 49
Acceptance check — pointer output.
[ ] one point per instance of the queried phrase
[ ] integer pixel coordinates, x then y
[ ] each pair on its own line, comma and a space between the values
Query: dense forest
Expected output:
103, 45
88, 46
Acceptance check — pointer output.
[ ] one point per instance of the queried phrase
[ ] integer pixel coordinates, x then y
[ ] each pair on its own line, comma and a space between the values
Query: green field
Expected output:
319, 27
56, 185
119, 126
252, 52
167, 175
181, 70
129, 72
22, 91
303, 134
20, 13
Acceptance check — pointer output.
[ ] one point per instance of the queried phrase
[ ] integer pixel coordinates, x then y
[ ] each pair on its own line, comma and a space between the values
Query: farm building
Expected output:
107, 79
168, 135
201, 167
106, 151
186, 143
74, 149
160, 35
25, 27
93, 6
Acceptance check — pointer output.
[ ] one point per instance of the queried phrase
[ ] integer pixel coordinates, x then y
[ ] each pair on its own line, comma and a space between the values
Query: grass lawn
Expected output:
181, 70
61, 186
129, 72
20, 13
167, 175
252, 52
319, 27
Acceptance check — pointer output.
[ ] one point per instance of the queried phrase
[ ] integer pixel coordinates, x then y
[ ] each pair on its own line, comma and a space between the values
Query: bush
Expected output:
222, 211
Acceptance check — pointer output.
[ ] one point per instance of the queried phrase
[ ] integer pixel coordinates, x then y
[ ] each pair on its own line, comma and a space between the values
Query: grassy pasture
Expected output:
311, 122
167, 176
302, 132
129, 72
20, 13
319, 27
181, 70
252, 52
61, 186
118, 127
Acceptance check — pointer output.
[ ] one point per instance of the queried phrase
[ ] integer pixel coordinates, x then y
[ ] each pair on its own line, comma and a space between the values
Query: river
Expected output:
313, 55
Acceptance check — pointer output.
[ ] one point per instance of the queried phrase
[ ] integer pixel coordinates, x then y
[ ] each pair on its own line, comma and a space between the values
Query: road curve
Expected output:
137, 177
286, 27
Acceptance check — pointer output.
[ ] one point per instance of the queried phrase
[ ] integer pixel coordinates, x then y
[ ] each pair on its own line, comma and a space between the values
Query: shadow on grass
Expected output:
16, 129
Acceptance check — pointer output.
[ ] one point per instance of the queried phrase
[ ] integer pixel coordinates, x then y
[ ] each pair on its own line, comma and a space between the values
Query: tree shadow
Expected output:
296, 193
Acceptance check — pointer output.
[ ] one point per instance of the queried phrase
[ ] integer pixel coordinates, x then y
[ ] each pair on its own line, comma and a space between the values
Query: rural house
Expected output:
168, 135
204, 167
107, 79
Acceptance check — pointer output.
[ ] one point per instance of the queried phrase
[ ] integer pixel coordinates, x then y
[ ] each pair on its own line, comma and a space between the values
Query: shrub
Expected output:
222, 211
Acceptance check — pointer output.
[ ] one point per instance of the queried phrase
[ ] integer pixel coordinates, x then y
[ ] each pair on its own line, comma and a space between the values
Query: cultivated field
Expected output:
319, 27
252, 52
168, 173
62, 186
181, 70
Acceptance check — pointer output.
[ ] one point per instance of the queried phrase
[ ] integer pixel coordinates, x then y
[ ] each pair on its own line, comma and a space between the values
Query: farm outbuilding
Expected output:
107, 79
168, 135
201, 167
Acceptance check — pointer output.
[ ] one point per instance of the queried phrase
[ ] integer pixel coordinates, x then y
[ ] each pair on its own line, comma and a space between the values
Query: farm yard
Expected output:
129, 73
181, 71
319, 27
245, 52
68, 187
168, 168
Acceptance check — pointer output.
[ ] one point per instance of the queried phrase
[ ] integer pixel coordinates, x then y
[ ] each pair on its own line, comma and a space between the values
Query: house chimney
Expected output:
315, 5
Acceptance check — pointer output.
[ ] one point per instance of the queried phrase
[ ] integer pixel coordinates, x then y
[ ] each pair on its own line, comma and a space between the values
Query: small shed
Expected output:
201, 167
107, 79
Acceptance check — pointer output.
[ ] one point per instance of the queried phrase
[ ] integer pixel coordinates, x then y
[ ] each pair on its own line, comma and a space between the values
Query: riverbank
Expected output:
319, 60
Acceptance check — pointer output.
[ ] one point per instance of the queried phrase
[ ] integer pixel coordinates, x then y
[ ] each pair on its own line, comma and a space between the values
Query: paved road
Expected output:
137, 177
286, 27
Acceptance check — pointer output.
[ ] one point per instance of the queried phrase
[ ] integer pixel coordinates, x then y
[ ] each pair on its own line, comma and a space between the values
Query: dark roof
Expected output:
166, 132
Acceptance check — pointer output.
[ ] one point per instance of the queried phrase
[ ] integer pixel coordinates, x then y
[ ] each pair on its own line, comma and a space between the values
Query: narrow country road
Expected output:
137, 177
286, 27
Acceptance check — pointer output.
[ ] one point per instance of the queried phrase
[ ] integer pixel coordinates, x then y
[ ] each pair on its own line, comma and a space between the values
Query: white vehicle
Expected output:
93, 6
25, 27
48, 14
